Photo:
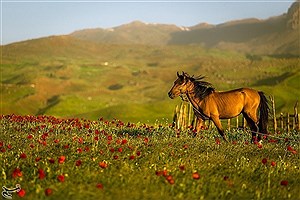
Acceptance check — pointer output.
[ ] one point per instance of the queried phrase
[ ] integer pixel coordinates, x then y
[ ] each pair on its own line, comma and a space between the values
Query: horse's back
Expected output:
231, 103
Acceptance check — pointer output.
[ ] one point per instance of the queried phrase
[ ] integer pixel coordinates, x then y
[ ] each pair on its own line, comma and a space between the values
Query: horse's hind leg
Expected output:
253, 126
218, 124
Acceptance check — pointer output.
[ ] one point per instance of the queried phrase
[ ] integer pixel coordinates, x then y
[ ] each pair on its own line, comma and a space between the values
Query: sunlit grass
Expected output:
80, 159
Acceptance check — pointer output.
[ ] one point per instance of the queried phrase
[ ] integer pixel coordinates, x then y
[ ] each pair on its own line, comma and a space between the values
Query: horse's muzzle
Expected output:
171, 95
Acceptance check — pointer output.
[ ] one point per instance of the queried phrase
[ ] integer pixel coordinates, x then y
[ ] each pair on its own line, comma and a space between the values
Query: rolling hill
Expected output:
117, 74
273, 36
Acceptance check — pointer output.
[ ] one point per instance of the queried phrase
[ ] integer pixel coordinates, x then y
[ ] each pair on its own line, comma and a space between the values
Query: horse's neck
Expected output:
195, 101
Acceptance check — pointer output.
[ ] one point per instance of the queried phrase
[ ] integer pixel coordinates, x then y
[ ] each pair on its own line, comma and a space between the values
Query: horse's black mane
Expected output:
201, 88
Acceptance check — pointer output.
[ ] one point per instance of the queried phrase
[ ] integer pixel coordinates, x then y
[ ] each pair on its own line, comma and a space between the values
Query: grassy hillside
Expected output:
64, 76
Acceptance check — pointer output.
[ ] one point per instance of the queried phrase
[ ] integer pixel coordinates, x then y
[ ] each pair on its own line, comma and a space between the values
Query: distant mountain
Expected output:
135, 32
276, 35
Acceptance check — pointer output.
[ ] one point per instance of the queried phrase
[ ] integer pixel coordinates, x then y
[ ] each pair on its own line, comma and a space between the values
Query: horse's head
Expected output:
181, 85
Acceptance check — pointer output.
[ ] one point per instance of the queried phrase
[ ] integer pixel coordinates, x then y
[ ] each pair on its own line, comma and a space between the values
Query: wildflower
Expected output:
170, 179
96, 138
37, 159
51, 160
99, 186
138, 153
196, 175
284, 183
131, 157
264, 161
42, 174
29, 136
48, 192
103, 165
146, 140
159, 173
21, 193
61, 159
17, 173
182, 167
124, 141
80, 140
120, 150
78, 163
218, 141
23, 156
61, 178
273, 163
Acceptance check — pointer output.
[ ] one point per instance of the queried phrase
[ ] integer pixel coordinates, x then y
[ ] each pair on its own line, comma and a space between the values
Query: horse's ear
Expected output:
178, 75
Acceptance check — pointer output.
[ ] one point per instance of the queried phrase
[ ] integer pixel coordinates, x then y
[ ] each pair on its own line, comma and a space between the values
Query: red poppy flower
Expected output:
116, 157
182, 167
56, 141
9, 146
138, 153
80, 140
48, 192
51, 160
29, 136
196, 175
17, 173
37, 159
61, 159
284, 183
109, 137
42, 174
218, 141
103, 165
23, 156
289, 148
120, 150
99, 186
124, 141
159, 173
112, 150
96, 138
78, 163
259, 145
264, 161
169, 177
146, 140
79, 150
61, 178
21, 193
131, 157
273, 163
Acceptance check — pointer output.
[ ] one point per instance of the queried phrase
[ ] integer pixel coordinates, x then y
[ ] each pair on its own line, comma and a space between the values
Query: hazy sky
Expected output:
24, 19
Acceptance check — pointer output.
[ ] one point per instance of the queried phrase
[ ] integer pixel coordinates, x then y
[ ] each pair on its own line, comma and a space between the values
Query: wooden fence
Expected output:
184, 118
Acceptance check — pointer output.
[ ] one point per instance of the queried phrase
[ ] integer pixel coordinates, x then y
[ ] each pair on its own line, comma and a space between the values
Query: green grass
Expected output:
81, 73
142, 162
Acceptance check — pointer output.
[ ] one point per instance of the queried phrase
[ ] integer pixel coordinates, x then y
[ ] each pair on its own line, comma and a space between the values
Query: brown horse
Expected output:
210, 104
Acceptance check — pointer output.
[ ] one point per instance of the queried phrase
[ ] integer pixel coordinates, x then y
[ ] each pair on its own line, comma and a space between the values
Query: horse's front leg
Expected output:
199, 124
218, 124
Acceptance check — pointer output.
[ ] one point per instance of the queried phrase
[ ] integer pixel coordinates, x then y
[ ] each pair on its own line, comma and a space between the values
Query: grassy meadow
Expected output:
65, 77
55, 158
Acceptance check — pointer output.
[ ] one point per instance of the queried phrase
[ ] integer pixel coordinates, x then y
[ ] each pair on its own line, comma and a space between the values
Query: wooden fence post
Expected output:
288, 122
274, 113
295, 121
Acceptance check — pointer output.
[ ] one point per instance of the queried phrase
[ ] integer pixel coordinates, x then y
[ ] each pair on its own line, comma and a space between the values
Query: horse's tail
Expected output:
264, 113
